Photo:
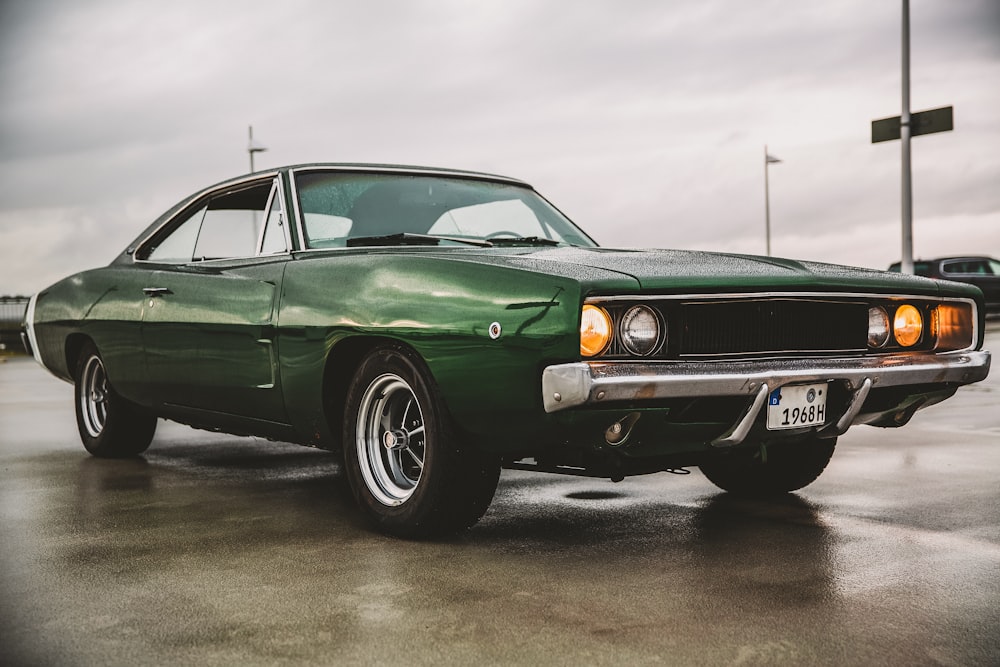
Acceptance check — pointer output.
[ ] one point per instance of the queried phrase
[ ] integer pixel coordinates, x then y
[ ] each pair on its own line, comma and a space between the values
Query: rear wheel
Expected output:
407, 468
110, 426
771, 470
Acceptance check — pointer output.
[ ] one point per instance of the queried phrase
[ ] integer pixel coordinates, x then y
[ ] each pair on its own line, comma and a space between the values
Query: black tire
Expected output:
110, 426
407, 469
772, 470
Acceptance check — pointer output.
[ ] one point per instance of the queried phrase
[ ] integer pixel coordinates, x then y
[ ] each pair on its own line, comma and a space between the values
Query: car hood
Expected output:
679, 271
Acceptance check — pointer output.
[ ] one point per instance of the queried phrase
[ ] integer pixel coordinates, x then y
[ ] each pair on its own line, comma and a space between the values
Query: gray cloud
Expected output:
643, 120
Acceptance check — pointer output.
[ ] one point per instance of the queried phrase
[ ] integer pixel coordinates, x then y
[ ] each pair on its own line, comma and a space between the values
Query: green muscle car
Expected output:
436, 325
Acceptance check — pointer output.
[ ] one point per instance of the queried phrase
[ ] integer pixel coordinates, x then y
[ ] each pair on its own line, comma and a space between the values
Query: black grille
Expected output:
769, 326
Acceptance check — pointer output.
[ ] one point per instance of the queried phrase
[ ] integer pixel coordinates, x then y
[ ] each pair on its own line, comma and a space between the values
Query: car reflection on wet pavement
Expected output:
215, 549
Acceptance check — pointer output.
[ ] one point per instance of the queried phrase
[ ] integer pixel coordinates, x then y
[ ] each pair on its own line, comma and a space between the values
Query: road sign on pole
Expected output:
903, 127
923, 122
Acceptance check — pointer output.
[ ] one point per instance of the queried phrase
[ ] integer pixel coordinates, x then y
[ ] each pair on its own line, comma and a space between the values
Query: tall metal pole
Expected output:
253, 148
905, 132
767, 205
250, 148
768, 160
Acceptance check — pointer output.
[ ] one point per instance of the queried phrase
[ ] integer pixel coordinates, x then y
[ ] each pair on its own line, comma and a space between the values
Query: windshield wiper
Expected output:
523, 240
406, 238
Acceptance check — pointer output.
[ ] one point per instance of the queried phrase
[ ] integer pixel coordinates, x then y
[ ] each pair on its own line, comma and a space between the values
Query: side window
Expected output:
273, 238
232, 224
967, 266
240, 223
178, 247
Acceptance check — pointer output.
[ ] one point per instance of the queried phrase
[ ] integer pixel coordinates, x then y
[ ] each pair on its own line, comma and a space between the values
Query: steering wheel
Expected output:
503, 232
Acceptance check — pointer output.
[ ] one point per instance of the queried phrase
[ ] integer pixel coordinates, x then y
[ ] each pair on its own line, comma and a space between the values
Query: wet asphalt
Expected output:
219, 550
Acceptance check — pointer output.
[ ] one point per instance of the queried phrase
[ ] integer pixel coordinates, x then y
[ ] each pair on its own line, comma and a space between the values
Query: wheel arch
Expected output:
342, 363
75, 343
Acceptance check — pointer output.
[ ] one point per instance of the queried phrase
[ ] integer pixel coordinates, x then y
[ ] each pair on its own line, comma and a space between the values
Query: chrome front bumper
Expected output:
595, 383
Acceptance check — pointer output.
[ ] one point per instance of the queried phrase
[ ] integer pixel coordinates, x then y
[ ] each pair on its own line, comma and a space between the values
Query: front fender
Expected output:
484, 331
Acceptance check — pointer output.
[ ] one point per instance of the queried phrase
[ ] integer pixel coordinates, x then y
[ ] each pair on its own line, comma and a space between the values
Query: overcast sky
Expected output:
644, 121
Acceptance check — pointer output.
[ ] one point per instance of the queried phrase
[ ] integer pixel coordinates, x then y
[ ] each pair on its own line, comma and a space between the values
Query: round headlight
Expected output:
595, 331
640, 330
878, 326
907, 325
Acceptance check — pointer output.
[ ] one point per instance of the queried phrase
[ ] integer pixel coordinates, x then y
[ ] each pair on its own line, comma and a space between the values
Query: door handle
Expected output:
156, 291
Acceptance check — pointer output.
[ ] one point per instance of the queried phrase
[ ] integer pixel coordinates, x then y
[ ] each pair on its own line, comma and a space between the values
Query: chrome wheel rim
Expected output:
94, 397
390, 439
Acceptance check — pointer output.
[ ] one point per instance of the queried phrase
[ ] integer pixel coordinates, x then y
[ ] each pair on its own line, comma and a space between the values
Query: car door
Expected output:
209, 311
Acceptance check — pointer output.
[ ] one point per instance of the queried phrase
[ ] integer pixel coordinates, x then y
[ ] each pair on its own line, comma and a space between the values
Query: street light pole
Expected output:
252, 148
768, 160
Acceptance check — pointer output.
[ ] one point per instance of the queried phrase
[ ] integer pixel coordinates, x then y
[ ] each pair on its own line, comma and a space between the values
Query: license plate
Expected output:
797, 406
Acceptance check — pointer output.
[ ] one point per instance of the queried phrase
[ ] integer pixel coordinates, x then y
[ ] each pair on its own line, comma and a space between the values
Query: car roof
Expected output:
345, 167
340, 166
398, 169
948, 259
237, 181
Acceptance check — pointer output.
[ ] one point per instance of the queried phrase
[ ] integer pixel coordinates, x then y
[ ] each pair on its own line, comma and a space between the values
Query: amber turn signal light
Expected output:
951, 326
907, 325
595, 331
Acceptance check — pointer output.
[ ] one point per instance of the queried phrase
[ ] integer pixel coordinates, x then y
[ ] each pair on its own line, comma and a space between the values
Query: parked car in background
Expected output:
983, 272
437, 325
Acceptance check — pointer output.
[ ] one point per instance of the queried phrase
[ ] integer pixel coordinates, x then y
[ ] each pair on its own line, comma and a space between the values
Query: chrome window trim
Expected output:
755, 296
246, 259
267, 214
961, 260
280, 180
389, 169
185, 205
293, 186
276, 189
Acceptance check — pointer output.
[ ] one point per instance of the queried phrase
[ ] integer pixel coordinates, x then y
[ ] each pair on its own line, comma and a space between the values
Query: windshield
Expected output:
381, 209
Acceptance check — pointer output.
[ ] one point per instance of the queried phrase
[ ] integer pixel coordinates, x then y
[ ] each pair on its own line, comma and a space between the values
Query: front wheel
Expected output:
110, 426
771, 470
407, 469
